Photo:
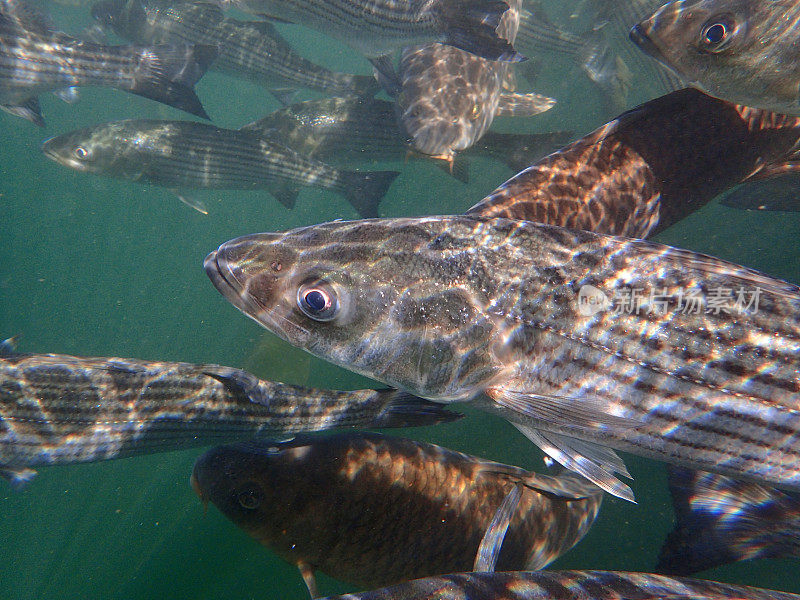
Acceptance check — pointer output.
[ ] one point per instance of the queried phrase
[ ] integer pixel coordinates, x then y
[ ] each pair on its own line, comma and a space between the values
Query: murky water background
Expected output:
93, 266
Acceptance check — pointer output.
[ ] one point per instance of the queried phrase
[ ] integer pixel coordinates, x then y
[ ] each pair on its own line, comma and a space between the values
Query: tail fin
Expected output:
169, 74
471, 26
722, 520
405, 410
365, 190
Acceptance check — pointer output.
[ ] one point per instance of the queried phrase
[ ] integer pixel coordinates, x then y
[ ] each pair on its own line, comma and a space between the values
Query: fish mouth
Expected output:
638, 36
52, 151
223, 277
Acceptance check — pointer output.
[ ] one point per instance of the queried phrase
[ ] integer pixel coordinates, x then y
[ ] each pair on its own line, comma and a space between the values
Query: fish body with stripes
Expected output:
253, 51
377, 28
566, 585
61, 409
187, 154
585, 342
374, 510
34, 59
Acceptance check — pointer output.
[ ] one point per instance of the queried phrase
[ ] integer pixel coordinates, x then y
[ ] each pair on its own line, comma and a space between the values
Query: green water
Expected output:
93, 266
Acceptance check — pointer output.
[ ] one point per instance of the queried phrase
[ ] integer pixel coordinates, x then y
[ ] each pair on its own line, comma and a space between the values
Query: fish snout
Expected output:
638, 36
195, 483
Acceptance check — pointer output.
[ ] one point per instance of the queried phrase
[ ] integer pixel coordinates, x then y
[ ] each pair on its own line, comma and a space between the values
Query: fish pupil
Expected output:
316, 300
715, 33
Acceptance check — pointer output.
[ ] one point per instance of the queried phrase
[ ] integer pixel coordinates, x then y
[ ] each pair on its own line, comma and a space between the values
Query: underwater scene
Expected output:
522, 286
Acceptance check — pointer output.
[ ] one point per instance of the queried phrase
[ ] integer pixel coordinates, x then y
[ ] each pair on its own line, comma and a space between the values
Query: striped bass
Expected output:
187, 154
60, 409
585, 342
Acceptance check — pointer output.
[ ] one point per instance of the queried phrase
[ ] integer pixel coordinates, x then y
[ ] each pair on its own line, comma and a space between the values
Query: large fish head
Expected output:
449, 98
387, 298
107, 149
736, 50
246, 482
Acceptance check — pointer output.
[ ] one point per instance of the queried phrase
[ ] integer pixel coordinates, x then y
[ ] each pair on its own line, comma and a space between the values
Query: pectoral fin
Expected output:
8, 347
194, 203
523, 105
492, 542
307, 572
584, 458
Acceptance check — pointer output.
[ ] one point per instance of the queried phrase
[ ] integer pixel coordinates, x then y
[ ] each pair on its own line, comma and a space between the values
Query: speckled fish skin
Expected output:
722, 520
379, 27
458, 308
351, 130
750, 55
565, 585
187, 154
35, 59
374, 510
448, 98
58, 409
617, 181
252, 51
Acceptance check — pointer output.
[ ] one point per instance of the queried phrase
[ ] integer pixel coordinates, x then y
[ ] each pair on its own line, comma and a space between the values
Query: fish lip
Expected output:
52, 154
638, 36
222, 277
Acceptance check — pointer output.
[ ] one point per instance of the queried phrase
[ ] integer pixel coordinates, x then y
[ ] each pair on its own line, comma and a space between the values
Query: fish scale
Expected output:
712, 391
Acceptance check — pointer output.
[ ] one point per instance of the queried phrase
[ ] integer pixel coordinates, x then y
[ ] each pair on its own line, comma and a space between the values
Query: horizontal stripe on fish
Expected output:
57, 409
374, 510
532, 322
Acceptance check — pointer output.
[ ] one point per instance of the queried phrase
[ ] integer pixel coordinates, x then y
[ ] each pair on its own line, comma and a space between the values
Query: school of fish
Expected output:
538, 299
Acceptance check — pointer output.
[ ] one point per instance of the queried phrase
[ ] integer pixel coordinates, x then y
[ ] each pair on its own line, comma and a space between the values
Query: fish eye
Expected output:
717, 32
80, 152
318, 301
249, 499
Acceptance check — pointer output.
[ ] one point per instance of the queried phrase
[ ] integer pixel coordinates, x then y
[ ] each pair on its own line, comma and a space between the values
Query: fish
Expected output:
448, 98
403, 509
538, 35
743, 51
35, 59
60, 409
617, 181
347, 131
587, 343
722, 520
378, 28
253, 51
188, 154
565, 585
780, 193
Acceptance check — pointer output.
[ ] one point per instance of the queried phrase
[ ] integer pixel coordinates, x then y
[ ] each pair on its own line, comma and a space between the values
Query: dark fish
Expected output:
376, 28
187, 154
35, 59
779, 193
448, 98
585, 342
566, 585
743, 51
375, 510
723, 520
650, 167
346, 131
58, 409
254, 51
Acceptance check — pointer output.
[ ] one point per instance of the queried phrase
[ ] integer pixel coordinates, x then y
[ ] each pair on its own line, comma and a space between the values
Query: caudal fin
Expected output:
169, 73
471, 26
365, 190
722, 520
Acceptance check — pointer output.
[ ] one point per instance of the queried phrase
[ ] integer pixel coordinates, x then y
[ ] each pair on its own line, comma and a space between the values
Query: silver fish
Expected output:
59, 409
403, 509
743, 51
254, 51
565, 585
187, 154
585, 342
379, 27
347, 131
35, 59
